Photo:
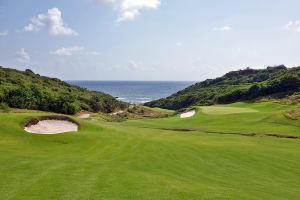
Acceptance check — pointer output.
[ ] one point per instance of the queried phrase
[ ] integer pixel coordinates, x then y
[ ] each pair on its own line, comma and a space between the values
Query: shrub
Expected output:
30, 91
4, 107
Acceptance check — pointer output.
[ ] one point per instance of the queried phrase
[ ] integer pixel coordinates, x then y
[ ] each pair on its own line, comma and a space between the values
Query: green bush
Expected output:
4, 107
247, 84
28, 90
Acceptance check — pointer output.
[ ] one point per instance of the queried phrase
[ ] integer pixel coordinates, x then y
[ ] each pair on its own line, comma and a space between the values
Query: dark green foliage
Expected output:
242, 85
28, 90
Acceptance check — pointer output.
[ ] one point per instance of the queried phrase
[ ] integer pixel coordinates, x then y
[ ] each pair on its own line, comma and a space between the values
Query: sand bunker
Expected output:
84, 116
188, 114
51, 126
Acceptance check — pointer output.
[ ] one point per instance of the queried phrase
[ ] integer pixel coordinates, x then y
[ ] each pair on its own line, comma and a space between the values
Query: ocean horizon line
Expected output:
131, 80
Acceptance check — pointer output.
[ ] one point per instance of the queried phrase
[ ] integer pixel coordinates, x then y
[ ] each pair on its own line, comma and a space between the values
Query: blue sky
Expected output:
147, 39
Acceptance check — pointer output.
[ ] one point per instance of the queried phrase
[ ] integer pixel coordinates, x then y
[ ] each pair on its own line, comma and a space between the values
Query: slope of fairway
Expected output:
124, 161
245, 118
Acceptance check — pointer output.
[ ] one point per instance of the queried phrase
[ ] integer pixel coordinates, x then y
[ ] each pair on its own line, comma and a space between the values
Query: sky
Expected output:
147, 39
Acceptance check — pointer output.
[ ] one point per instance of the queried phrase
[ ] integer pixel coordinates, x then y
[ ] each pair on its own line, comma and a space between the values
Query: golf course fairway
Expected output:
244, 153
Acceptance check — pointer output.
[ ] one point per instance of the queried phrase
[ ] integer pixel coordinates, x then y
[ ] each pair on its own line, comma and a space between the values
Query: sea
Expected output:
135, 91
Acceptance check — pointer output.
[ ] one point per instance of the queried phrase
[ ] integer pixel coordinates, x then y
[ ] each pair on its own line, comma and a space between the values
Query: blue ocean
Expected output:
135, 91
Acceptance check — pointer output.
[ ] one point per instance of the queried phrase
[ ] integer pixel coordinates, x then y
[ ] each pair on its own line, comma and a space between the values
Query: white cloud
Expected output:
130, 9
52, 20
223, 28
69, 51
23, 56
132, 65
178, 44
293, 25
3, 33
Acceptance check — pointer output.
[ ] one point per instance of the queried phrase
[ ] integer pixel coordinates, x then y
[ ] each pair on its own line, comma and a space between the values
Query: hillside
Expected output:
242, 85
27, 90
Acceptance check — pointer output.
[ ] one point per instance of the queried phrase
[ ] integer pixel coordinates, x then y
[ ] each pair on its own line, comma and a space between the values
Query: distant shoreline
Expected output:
134, 91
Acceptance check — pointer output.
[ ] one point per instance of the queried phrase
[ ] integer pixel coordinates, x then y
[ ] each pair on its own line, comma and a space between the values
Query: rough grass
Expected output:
133, 112
293, 114
125, 161
161, 110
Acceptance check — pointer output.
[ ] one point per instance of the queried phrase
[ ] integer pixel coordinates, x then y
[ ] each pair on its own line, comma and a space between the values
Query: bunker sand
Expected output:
188, 114
52, 127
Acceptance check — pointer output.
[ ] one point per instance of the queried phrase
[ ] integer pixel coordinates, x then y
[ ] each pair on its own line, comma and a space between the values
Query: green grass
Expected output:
135, 160
268, 119
222, 110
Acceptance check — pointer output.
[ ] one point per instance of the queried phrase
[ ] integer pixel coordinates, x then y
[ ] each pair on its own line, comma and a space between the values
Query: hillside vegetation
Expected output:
242, 85
27, 90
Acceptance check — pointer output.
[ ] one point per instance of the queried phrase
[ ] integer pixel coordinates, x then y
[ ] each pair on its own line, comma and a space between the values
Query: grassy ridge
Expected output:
242, 85
28, 90
136, 160
241, 118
